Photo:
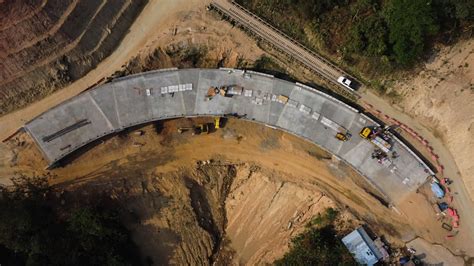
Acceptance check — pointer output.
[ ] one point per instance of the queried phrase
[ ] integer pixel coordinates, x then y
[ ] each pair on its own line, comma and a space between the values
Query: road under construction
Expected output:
291, 107
329, 71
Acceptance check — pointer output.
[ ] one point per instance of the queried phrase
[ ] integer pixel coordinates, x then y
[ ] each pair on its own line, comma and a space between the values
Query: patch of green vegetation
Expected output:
374, 37
318, 245
34, 232
393, 95
193, 55
369, 37
379, 87
327, 218
410, 23
265, 63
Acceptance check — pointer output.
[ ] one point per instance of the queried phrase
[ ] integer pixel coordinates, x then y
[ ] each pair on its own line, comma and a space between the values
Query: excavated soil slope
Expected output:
259, 190
47, 44
219, 213
441, 95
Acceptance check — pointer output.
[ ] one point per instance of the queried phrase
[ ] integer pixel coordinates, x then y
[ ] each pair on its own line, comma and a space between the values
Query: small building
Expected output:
362, 247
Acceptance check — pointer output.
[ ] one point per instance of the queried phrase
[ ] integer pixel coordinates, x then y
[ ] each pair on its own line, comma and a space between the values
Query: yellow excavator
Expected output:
196, 130
204, 128
380, 137
365, 132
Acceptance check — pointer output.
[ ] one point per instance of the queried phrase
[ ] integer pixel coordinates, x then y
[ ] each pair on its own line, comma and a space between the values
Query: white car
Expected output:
148, 92
346, 82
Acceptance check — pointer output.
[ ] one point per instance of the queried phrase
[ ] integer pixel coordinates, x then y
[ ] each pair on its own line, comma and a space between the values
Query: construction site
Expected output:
374, 152
392, 170
221, 165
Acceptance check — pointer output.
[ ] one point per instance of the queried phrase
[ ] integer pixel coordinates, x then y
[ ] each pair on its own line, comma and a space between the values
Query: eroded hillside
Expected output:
441, 96
47, 44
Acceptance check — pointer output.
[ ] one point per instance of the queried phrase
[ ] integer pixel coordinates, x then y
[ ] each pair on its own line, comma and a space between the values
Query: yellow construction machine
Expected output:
343, 137
197, 130
379, 136
217, 122
365, 132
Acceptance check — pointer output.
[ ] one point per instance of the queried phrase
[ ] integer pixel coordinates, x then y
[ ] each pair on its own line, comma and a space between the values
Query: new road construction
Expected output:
371, 149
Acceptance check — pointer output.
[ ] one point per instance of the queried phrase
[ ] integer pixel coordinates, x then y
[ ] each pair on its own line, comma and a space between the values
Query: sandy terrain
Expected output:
265, 212
441, 96
436, 254
277, 175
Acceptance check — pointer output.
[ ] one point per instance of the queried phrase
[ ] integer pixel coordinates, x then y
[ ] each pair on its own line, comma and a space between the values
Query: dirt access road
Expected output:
145, 28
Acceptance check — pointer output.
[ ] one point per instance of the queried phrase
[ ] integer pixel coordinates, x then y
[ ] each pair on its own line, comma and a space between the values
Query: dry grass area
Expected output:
259, 189
441, 96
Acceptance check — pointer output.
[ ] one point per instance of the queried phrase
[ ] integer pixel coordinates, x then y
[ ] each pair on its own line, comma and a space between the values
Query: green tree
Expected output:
318, 245
410, 23
369, 37
34, 232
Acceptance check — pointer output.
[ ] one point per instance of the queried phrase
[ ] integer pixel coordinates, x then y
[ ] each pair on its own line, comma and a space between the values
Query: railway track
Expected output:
281, 41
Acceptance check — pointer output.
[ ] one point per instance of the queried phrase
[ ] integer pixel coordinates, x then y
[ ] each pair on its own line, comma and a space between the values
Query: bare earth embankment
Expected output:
182, 33
175, 28
441, 97
56, 42
259, 189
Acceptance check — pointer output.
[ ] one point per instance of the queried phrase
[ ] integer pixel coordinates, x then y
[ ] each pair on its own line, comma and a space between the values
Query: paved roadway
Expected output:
309, 114
280, 40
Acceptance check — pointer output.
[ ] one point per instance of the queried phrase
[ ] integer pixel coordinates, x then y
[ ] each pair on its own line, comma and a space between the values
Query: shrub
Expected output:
318, 245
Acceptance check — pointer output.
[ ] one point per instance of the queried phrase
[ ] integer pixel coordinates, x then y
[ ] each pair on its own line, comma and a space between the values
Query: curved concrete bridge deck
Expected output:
181, 93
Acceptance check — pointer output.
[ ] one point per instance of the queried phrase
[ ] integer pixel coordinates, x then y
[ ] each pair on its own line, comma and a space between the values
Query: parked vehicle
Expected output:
347, 83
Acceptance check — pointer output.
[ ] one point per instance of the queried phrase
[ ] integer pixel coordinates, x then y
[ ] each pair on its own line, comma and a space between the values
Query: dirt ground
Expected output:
439, 97
261, 187
162, 24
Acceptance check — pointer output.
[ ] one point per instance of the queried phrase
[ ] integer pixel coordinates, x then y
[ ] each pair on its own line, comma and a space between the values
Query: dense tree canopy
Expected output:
395, 33
369, 37
410, 22
33, 232
317, 247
